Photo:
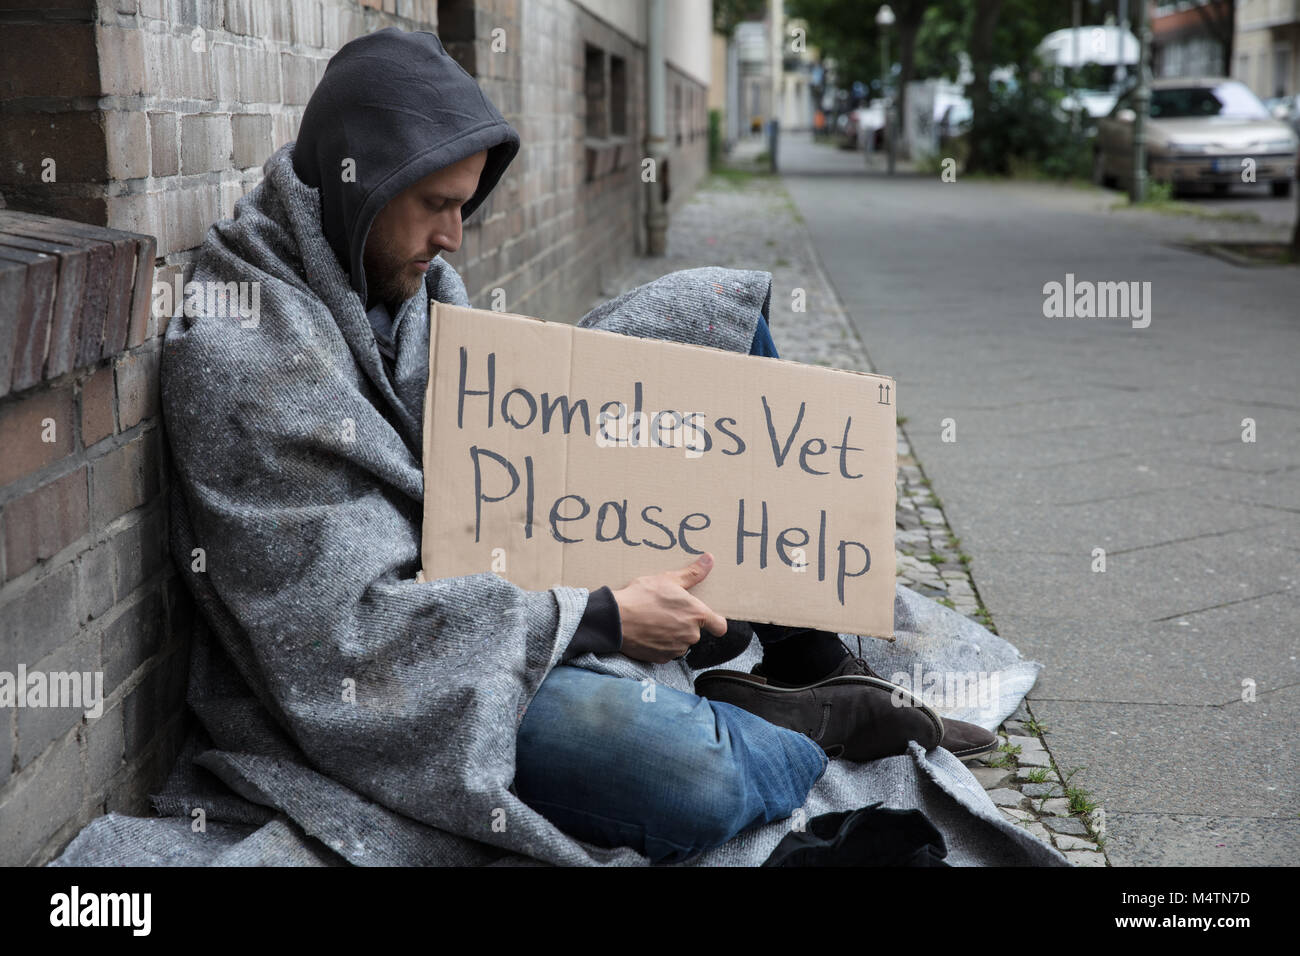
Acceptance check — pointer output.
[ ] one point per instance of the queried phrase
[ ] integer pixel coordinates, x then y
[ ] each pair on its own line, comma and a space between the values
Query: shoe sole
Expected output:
974, 752
747, 680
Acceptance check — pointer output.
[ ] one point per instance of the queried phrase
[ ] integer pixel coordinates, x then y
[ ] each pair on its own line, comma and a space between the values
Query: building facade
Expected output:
1266, 44
1183, 43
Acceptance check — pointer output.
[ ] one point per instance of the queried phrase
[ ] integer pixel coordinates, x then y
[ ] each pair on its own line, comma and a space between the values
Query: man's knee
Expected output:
690, 772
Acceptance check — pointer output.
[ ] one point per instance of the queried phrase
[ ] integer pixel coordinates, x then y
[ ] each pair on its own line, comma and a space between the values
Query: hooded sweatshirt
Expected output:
392, 108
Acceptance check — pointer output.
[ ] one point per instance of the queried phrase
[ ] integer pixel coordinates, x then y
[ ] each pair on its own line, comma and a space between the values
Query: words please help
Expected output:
556, 455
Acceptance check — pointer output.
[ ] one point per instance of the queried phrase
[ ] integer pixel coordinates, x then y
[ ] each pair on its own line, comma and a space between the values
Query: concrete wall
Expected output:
688, 36
626, 16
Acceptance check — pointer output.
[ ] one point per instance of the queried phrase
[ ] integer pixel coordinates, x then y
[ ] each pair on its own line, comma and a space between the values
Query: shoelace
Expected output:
858, 658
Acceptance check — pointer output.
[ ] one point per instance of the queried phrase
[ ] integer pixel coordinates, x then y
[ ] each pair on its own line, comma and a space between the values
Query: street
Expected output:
1130, 497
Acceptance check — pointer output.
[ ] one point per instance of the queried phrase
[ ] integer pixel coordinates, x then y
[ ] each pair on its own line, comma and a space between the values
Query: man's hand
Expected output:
661, 618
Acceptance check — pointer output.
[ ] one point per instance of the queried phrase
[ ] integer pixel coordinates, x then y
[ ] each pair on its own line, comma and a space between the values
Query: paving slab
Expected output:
1055, 417
1178, 839
1234, 760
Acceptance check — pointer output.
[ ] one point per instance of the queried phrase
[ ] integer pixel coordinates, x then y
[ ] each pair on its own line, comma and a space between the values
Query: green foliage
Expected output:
846, 31
1027, 130
1159, 193
1022, 24
728, 13
944, 33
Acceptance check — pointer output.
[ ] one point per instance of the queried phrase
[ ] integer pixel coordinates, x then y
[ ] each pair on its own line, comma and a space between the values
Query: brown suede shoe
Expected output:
851, 716
967, 741
963, 740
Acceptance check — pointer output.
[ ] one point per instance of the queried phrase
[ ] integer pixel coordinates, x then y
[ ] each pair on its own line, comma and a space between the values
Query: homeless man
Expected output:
296, 445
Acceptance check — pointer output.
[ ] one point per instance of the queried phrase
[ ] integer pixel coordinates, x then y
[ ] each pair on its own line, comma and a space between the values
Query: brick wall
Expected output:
551, 229
85, 584
177, 103
158, 114
152, 117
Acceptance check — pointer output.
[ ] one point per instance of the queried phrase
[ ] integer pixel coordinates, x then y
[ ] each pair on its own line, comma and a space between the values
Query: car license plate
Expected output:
1227, 164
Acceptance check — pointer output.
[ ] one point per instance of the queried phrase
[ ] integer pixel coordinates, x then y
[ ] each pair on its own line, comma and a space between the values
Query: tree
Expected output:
846, 29
981, 157
728, 13
910, 14
1004, 33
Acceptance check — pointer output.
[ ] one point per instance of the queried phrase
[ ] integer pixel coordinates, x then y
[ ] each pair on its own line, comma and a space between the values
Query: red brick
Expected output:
117, 316
99, 272
137, 386
41, 524
98, 407
64, 328
32, 319
99, 277
124, 479
164, 141
95, 582
13, 286
74, 139
48, 59
142, 293
21, 428
140, 550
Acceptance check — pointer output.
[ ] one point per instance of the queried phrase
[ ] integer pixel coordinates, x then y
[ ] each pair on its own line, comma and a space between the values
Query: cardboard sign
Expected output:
555, 455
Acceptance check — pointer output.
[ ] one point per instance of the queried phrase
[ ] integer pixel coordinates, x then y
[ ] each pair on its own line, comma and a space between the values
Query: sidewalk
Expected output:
748, 221
1130, 496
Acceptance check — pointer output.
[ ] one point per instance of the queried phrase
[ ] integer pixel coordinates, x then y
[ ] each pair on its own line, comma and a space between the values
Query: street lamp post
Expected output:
884, 20
1141, 106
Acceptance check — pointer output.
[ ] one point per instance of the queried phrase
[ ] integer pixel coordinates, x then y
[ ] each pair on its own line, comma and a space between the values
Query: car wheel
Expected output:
1281, 188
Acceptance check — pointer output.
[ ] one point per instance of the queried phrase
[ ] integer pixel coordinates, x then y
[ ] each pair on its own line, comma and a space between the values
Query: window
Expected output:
1281, 71
617, 96
1230, 100
594, 77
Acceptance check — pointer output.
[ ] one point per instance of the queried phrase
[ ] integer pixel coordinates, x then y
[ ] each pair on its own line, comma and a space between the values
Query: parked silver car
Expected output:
1201, 131
1286, 109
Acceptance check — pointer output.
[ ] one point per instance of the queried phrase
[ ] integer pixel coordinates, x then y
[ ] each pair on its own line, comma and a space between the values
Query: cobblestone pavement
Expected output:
748, 221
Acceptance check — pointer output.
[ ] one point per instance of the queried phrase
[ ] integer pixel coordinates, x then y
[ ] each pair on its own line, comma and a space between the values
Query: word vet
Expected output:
570, 518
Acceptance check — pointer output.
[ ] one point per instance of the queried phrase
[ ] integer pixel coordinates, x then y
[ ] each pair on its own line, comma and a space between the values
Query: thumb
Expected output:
695, 572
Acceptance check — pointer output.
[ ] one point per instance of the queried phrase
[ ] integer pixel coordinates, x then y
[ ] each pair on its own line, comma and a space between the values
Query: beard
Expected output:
389, 275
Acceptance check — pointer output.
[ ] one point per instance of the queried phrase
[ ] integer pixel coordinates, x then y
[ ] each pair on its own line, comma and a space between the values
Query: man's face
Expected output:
417, 224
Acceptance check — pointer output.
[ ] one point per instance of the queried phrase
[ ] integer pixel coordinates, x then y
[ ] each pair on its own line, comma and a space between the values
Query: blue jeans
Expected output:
670, 774
620, 762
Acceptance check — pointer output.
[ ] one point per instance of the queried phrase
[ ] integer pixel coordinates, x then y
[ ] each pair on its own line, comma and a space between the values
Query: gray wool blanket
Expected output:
351, 714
